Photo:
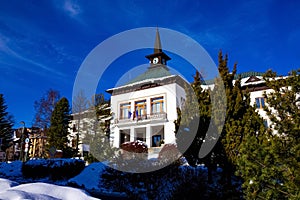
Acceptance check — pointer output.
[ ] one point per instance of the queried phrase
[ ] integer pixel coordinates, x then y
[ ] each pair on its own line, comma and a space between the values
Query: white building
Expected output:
146, 107
87, 123
256, 85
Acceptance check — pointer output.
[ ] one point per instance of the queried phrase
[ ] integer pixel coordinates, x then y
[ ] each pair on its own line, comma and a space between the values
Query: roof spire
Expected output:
157, 44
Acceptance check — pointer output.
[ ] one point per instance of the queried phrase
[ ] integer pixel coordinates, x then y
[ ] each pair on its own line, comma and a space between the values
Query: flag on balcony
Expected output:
137, 113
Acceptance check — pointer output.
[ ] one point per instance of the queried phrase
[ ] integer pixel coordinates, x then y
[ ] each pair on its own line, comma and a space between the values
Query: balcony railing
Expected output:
152, 116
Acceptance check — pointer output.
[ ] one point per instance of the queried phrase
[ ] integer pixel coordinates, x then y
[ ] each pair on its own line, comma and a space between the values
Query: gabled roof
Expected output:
252, 79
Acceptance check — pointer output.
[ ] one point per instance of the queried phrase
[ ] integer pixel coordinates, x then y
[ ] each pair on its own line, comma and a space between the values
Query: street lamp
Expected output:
22, 139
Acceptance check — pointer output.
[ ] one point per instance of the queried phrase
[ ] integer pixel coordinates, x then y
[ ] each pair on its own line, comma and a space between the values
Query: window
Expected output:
124, 136
266, 123
157, 105
140, 134
157, 133
140, 109
156, 140
125, 112
260, 102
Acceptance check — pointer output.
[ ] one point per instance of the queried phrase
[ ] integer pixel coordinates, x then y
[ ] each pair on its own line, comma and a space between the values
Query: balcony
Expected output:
143, 118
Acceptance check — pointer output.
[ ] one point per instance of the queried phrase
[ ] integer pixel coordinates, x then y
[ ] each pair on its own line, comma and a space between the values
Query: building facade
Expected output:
145, 108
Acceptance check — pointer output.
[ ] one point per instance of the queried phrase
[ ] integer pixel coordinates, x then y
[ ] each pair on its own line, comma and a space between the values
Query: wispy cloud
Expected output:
71, 8
6, 49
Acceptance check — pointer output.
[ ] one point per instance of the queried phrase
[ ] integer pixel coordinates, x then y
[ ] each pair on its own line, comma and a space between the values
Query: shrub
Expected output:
135, 149
54, 169
170, 182
169, 154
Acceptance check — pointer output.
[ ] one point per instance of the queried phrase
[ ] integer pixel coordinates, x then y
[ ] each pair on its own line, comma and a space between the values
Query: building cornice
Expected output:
147, 84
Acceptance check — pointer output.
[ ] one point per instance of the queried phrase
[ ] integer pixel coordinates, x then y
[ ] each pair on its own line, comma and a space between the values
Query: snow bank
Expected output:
6, 184
40, 191
90, 177
90, 180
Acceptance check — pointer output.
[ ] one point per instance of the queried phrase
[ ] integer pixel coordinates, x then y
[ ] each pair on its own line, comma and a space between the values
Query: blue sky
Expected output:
43, 43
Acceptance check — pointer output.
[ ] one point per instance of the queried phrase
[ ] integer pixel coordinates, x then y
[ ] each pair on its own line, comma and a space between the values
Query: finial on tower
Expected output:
157, 44
158, 58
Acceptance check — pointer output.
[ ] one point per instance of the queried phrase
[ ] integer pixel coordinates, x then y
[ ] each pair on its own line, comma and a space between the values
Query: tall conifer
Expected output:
6, 124
270, 162
58, 131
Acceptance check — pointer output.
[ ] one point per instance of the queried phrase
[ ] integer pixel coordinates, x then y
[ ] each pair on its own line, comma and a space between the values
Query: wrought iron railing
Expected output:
151, 116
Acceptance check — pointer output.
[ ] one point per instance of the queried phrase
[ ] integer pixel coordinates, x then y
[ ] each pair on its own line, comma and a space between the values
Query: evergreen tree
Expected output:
193, 120
285, 100
58, 131
272, 170
6, 124
241, 120
225, 148
98, 136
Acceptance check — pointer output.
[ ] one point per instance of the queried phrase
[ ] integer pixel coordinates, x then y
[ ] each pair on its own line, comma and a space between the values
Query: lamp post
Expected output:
22, 141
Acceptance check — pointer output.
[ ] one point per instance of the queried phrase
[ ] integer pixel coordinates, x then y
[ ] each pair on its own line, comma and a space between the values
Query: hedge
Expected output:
54, 169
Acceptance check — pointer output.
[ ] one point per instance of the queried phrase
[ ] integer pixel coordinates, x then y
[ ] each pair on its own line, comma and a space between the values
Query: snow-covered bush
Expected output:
170, 182
54, 169
135, 149
169, 153
11, 170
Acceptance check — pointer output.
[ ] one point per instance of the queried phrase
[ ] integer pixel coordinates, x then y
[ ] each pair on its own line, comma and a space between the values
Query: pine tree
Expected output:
241, 120
193, 120
268, 161
285, 128
252, 159
225, 146
58, 131
6, 124
98, 136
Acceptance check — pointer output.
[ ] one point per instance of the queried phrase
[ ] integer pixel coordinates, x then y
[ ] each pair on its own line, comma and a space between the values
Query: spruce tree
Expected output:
193, 121
98, 136
268, 161
58, 131
284, 111
241, 120
225, 147
253, 161
6, 124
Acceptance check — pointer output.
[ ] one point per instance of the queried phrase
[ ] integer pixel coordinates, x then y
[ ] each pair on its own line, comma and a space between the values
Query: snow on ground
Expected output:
39, 191
6, 184
90, 177
90, 180
11, 169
